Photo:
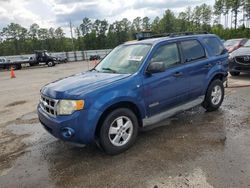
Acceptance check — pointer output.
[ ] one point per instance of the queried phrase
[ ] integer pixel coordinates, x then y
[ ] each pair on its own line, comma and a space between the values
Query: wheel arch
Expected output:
122, 104
219, 75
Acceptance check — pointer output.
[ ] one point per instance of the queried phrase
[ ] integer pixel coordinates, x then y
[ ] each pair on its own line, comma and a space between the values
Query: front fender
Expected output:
109, 100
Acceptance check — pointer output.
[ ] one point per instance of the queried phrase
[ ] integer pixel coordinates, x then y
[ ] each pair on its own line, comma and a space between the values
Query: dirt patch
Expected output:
26, 121
29, 118
4, 111
15, 103
11, 148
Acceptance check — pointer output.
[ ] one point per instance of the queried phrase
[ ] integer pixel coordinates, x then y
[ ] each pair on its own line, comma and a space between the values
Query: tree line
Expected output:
99, 34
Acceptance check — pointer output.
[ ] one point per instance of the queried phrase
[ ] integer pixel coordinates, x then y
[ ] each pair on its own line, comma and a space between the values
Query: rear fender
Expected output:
217, 71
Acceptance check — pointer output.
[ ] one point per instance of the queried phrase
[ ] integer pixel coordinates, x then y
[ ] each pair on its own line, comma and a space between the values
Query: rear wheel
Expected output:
51, 64
214, 96
235, 73
118, 131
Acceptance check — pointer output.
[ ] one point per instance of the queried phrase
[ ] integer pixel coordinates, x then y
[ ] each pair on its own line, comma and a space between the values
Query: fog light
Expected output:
67, 132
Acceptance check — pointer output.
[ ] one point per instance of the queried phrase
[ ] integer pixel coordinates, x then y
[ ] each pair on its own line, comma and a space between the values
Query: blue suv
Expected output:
136, 85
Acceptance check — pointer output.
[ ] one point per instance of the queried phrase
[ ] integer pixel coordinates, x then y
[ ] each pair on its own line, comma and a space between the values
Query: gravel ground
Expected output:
193, 149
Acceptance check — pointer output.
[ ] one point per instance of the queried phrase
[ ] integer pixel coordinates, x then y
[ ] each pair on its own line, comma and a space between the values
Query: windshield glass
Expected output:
247, 44
124, 59
233, 42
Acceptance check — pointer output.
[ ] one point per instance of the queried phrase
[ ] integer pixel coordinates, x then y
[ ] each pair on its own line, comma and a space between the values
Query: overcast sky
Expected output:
57, 13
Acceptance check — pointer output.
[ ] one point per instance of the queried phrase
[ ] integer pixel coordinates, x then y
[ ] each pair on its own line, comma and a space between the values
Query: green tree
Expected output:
155, 25
145, 23
206, 14
85, 26
137, 24
167, 23
218, 10
235, 6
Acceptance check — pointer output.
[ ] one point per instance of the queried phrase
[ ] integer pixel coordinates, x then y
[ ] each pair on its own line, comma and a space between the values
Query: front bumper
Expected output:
78, 127
235, 66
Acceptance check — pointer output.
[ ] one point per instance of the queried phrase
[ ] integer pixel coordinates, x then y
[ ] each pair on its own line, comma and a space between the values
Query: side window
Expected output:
168, 54
215, 46
192, 50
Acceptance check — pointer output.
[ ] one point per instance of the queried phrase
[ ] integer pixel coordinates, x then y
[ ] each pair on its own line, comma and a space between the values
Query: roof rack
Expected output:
172, 35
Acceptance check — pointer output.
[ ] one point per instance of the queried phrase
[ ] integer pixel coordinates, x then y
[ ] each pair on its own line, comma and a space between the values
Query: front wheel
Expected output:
214, 96
118, 131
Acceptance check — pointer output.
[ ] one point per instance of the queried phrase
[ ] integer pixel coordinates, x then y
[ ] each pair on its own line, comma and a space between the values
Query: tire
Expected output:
214, 96
51, 64
19, 67
115, 140
235, 73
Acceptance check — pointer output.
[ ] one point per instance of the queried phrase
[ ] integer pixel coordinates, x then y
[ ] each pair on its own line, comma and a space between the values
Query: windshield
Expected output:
247, 44
233, 42
124, 59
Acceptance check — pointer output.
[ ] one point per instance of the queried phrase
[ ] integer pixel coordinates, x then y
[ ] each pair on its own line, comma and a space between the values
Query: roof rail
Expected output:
173, 34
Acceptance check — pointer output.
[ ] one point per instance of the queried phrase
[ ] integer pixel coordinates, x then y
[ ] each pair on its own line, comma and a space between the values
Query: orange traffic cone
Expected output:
12, 73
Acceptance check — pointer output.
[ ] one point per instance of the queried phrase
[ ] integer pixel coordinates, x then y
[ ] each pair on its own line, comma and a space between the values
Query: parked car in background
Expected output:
234, 44
3, 60
62, 59
239, 60
94, 57
135, 86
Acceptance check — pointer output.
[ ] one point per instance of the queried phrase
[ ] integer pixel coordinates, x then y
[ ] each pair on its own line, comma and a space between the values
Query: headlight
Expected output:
230, 56
67, 107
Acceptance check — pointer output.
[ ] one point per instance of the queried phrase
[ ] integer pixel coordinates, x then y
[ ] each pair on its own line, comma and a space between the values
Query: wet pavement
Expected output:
192, 149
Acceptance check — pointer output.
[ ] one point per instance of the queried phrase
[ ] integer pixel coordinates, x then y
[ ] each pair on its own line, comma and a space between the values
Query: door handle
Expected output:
208, 65
177, 74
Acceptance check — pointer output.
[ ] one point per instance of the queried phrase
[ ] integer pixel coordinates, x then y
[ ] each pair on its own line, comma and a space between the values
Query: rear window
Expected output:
192, 50
215, 45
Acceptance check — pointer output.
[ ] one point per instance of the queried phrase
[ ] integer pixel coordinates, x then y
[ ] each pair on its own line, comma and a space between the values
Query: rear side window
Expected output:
192, 50
215, 46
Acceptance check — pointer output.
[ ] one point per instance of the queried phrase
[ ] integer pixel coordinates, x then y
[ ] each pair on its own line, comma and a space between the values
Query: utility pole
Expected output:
72, 40
71, 32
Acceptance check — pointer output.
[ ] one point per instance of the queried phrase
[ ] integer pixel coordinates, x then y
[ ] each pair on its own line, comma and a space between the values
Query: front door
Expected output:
169, 88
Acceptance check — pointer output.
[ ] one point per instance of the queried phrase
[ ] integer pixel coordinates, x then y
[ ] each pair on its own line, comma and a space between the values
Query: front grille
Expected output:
48, 105
245, 60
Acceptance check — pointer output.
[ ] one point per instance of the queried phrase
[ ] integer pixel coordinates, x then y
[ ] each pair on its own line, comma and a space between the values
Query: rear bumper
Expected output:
77, 128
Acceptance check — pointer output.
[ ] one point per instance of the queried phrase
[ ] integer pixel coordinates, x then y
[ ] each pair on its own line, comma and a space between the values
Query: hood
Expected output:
241, 52
79, 84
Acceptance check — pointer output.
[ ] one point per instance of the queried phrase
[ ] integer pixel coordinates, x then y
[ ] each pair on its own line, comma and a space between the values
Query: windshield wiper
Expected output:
94, 69
109, 69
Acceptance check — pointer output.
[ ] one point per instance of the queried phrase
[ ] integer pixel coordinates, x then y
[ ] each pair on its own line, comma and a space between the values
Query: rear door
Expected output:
169, 88
197, 65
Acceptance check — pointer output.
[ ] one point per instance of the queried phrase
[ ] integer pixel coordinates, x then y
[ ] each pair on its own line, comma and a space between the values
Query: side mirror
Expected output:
155, 67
